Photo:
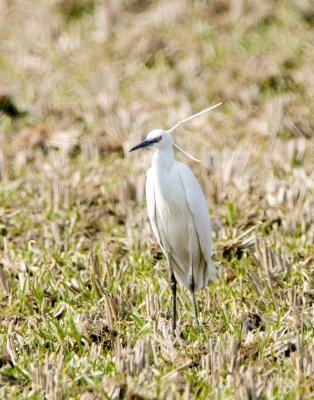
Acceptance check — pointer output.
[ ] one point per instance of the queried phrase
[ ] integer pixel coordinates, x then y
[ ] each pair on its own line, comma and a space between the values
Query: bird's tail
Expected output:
202, 275
205, 274
212, 271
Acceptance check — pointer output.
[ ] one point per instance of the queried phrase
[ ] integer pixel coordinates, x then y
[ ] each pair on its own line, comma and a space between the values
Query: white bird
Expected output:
178, 216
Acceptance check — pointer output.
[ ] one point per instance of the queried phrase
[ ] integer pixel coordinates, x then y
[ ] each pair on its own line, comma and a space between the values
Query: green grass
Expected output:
84, 292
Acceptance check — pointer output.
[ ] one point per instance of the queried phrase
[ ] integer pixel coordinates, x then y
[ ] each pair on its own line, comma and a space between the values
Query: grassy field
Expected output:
84, 290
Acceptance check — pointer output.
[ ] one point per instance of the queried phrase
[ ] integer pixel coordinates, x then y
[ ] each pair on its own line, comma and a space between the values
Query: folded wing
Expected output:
198, 208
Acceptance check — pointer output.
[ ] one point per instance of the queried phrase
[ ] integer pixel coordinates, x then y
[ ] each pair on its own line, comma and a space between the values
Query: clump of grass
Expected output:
73, 10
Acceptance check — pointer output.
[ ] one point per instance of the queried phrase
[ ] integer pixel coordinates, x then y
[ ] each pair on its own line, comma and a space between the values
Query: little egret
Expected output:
178, 215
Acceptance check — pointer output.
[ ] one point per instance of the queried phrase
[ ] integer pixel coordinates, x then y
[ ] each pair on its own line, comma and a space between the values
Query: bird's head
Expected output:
162, 140
156, 138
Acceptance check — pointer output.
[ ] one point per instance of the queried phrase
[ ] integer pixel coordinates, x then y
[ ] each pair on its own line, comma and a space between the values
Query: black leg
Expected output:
194, 303
192, 285
174, 301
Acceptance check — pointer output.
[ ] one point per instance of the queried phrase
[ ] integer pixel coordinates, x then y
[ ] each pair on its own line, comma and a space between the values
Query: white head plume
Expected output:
186, 153
193, 116
189, 119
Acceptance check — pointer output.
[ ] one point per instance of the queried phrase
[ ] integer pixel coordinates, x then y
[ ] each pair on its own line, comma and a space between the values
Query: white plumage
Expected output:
179, 217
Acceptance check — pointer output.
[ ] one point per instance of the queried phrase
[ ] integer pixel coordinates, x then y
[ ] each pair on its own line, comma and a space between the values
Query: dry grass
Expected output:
84, 291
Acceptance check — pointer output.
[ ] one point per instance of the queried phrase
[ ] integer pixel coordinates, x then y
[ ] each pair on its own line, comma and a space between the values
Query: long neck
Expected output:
163, 158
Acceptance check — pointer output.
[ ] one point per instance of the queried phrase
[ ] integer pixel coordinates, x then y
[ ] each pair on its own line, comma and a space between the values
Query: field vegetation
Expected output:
84, 289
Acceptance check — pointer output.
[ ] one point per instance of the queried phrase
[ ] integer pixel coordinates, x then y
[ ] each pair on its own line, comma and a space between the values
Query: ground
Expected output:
84, 289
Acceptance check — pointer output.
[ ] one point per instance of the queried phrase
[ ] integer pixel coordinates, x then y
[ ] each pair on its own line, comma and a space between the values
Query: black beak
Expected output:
148, 142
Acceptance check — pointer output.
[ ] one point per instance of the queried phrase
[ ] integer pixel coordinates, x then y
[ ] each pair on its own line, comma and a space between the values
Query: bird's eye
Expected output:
158, 138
